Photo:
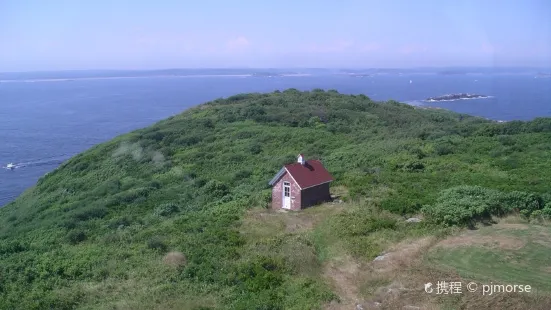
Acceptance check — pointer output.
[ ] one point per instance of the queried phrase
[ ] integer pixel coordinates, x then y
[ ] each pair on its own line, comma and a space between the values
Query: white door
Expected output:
286, 195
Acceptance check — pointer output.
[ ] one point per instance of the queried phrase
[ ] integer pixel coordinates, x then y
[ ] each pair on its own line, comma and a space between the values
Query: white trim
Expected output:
278, 176
316, 185
284, 198
293, 178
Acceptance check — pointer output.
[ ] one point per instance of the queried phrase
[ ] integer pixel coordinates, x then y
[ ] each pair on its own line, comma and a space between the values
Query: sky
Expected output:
40, 35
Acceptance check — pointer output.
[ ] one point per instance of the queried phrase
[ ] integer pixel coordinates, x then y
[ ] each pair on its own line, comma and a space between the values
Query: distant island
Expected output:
455, 97
266, 74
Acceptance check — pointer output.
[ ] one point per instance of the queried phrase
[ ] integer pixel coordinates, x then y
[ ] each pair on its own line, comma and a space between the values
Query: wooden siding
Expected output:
315, 195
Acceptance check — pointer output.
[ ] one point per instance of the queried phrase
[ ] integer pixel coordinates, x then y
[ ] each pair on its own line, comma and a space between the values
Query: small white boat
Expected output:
10, 166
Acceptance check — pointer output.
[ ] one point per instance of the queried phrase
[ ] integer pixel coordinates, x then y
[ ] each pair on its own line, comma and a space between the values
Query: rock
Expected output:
359, 307
413, 220
380, 257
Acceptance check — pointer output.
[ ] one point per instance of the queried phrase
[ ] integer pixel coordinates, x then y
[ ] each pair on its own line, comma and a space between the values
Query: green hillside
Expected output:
163, 217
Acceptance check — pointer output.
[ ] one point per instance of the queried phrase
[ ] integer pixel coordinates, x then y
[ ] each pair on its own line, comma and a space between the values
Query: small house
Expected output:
300, 185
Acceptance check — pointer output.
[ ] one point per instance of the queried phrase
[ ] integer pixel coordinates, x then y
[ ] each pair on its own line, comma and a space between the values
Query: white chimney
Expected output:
301, 159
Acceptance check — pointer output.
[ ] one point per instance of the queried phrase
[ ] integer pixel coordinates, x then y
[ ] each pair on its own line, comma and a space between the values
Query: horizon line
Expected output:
279, 68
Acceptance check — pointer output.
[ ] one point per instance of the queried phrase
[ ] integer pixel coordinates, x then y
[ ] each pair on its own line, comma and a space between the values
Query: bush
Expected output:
255, 148
215, 189
157, 243
242, 174
76, 236
12, 247
263, 273
463, 205
90, 213
123, 221
443, 149
522, 202
400, 205
166, 209
361, 223
411, 167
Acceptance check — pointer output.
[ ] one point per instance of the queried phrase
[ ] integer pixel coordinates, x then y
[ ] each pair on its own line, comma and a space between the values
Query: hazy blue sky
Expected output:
145, 34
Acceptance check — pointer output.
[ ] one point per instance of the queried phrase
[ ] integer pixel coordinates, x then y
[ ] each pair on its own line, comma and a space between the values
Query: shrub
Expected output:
522, 202
463, 205
12, 247
361, 223
400, 204
120, 222
157, 243
255, 148
414, 166
90, 213
166, 209
76, 236
260, 274
215, 189
443, 149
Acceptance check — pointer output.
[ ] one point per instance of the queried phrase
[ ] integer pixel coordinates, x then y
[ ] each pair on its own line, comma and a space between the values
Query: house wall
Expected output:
277, 193
315, 195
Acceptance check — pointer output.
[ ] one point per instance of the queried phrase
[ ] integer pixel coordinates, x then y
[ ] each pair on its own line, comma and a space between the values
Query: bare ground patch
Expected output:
386, 281
403, 254
514, 226
343, 274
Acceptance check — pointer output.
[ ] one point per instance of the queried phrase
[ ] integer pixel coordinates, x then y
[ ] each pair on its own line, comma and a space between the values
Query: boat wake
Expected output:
49, 161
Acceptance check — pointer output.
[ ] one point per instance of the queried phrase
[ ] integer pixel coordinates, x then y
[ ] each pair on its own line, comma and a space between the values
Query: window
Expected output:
287, 189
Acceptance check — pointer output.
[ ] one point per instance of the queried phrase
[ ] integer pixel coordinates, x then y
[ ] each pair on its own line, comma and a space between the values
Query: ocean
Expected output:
45, 121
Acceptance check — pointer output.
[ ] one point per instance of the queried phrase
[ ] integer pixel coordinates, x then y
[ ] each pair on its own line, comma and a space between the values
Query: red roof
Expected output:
310, 174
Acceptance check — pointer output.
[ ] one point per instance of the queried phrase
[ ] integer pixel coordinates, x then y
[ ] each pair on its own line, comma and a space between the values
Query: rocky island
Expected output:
455, 97
180, 210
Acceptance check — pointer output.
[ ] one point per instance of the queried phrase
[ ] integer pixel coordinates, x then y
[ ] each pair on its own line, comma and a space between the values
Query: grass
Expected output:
522, 257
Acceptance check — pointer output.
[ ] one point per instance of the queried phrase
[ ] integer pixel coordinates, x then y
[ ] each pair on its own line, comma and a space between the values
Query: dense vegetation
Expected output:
93, 233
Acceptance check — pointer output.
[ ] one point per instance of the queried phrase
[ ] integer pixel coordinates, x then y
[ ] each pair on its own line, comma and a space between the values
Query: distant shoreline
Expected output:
148, 76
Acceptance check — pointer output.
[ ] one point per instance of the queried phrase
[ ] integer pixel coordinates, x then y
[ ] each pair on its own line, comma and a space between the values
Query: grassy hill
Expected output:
174, 216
